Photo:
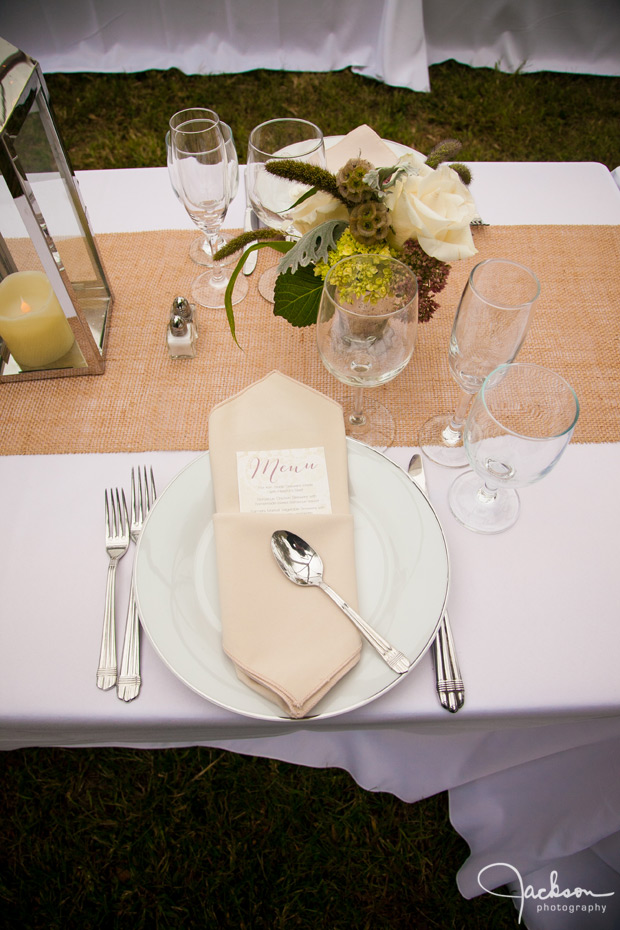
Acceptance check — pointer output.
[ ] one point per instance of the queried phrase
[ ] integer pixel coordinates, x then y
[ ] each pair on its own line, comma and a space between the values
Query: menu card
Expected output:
283, 481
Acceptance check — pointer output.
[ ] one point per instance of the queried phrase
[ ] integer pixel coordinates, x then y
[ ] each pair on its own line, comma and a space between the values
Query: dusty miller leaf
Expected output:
313, 247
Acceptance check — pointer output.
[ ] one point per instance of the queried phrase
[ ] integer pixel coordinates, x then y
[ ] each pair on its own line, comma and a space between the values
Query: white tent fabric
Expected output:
531, 35
392, 40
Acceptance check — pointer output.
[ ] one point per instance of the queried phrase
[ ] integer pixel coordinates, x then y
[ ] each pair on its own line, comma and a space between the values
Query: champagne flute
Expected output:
272, 197
366, 329
201, 175
489, 328
519, 425
199, 250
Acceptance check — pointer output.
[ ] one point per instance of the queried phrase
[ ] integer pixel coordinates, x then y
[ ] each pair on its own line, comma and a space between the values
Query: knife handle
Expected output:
450, 687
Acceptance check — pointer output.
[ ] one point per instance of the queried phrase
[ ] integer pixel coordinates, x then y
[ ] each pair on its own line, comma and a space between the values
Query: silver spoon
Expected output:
302, 565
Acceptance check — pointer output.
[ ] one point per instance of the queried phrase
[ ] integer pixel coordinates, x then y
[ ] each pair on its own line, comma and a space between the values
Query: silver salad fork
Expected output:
116, 543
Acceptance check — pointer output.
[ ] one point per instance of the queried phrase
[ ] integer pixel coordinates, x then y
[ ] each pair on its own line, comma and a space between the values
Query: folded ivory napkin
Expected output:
279, 462
362, 142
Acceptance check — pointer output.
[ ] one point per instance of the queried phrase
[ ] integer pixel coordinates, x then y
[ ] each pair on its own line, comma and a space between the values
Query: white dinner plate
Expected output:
402, 568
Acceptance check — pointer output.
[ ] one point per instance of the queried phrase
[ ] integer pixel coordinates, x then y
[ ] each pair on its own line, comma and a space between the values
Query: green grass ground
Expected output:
198, 838
120, 120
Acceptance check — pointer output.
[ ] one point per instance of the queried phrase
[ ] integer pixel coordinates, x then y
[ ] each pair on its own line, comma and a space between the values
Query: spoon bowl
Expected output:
303, 565
299, 561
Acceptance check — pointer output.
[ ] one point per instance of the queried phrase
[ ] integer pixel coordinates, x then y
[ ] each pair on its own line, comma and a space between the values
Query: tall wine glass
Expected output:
271, 197
201, 175
199, 250
366, 329
519, 425
490, 325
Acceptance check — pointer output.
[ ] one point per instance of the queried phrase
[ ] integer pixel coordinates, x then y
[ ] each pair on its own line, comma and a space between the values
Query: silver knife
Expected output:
450, 687
250, 262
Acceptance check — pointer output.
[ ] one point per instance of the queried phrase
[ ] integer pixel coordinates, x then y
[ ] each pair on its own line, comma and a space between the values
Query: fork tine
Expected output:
114, 521
134, 498
144, 495
116, 513
107, 515
147, 491
124, 515
139, 497
119, 515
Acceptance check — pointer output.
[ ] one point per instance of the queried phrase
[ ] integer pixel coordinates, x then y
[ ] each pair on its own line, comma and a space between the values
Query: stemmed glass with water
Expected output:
199, 250
489, 328
366, 329
202, 181
519, 425
271, 197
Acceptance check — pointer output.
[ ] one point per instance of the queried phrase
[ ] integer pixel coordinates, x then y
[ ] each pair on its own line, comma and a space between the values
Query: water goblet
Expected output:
489, 328
271, 197
199, 250
202, 180
366, 329
520, 422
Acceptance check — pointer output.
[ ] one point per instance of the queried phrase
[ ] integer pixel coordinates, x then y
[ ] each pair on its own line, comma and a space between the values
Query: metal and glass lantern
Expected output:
55, 301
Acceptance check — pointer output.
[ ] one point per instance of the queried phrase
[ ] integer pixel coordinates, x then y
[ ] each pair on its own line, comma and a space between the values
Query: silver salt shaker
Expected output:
181, 337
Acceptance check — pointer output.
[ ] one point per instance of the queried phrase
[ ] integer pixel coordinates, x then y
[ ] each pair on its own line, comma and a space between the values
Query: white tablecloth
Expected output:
532, 760
393, 40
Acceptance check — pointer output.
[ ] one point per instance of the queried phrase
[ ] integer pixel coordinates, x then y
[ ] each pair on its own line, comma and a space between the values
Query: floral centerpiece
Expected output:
419, 210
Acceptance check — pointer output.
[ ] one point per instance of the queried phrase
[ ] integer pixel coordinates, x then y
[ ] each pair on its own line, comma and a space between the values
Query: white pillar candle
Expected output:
32, 323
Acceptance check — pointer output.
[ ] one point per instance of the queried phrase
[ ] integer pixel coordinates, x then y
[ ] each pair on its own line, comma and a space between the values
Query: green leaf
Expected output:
297, 296
304, 197
278, 245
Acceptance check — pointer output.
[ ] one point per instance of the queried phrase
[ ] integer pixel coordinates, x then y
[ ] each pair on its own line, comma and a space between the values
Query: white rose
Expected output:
316, 210
434, 207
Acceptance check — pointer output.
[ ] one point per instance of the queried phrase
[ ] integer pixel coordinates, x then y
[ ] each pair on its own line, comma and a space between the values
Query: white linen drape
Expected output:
392, 40
382, 39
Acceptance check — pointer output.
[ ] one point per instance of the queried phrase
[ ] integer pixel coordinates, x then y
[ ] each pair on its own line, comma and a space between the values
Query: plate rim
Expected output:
310, 717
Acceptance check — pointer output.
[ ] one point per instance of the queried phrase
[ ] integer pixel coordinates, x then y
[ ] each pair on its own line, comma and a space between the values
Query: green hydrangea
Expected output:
348, 245
370, 281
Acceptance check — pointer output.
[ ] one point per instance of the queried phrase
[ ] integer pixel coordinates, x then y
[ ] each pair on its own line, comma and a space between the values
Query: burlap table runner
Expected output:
145, 401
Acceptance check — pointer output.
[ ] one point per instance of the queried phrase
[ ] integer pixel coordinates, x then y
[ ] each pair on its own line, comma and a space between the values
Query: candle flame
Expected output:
25, 308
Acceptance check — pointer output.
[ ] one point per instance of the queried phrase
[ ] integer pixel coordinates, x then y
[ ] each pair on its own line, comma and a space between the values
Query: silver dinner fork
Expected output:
116, 543
143, 495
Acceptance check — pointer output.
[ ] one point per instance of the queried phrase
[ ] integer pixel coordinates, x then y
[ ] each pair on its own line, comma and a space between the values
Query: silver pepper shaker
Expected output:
182, 307
181, 337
